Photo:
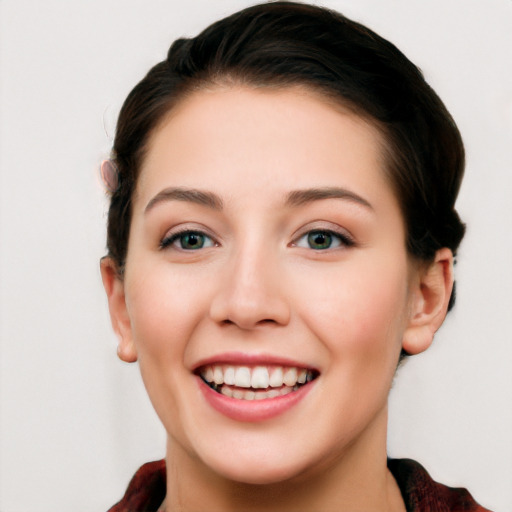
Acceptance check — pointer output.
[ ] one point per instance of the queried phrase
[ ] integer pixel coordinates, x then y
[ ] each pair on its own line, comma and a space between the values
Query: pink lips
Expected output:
251, 410
240, 358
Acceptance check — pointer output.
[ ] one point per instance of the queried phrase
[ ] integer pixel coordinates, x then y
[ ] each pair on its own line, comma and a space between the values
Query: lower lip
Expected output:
252, 410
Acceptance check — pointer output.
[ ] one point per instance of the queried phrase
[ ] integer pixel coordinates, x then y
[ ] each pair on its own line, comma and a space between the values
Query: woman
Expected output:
281, 233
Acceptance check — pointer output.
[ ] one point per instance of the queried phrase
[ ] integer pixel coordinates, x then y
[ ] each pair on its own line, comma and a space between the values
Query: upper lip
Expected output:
244, 359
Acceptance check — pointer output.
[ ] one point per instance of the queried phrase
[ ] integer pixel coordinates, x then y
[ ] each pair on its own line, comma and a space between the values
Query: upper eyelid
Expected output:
317, 225
188, 228
179, 230
323, 226
344, 239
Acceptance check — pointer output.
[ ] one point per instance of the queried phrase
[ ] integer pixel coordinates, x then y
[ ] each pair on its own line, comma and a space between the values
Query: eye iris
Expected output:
192, 241
319, 240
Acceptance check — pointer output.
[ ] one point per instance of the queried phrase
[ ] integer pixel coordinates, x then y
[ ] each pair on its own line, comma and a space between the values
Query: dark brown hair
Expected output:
283, 44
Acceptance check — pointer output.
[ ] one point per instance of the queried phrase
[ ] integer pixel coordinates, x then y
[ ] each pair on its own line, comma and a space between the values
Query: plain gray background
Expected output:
74, 421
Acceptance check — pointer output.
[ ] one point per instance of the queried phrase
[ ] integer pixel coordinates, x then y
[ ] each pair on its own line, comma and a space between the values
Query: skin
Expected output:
258, 288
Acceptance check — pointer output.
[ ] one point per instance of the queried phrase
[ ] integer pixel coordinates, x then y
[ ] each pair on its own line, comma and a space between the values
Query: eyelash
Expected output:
343, 239
171, 239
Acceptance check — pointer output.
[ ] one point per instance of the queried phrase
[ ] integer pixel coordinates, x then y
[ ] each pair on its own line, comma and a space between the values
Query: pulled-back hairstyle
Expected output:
283, 44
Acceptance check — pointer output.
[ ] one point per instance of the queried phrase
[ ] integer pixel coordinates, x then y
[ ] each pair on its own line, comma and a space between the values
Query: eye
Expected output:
188, 241
322, 239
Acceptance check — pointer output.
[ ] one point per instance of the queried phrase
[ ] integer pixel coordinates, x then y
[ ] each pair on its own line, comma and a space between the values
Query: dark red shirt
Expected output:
147, 490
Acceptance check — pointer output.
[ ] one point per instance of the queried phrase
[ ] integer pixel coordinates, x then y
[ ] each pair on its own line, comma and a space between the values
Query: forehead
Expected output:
235, 139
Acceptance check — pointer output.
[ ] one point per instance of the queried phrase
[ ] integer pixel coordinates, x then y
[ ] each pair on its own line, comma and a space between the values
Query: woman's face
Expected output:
266, 249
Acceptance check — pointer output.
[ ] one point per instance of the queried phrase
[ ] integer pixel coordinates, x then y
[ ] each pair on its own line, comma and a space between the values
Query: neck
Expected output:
357, 481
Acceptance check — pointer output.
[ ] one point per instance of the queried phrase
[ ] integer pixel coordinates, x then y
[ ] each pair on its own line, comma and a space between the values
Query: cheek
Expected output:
360, 309
165, 308
360, 321
164, 305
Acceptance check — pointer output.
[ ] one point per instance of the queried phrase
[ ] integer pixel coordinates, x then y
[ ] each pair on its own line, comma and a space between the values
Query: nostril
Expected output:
241, 307
265, 321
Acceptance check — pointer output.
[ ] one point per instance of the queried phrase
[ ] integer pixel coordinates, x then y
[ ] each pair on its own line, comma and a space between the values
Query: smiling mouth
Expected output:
256, 382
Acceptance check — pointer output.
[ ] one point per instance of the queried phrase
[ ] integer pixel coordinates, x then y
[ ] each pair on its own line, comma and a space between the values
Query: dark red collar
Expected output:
422, 494
146, 490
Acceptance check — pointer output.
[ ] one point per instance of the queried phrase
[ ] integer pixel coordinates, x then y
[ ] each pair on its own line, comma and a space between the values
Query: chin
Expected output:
259, 474
260, 467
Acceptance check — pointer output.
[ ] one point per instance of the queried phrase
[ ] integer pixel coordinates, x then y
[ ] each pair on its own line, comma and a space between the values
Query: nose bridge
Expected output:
248, 264
250, 293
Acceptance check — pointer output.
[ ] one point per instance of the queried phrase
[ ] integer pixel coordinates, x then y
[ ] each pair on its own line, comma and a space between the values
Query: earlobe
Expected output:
114, 288
431, 293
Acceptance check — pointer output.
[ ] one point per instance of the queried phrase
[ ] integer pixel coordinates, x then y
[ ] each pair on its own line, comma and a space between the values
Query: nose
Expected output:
250, 292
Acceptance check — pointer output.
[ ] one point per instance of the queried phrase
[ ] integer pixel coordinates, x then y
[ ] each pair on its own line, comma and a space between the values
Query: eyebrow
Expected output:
191, 195
300, 197
293, 199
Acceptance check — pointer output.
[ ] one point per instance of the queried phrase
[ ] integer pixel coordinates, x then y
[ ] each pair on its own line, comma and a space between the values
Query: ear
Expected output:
431, 291
114, 288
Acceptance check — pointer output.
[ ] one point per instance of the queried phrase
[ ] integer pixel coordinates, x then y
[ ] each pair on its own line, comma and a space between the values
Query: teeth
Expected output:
238, 393
282, 379
290, 376
259, 378
218, 375
229, 376
276, 379
285, 390
242, 394
243, 377
226, 391
209, 374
